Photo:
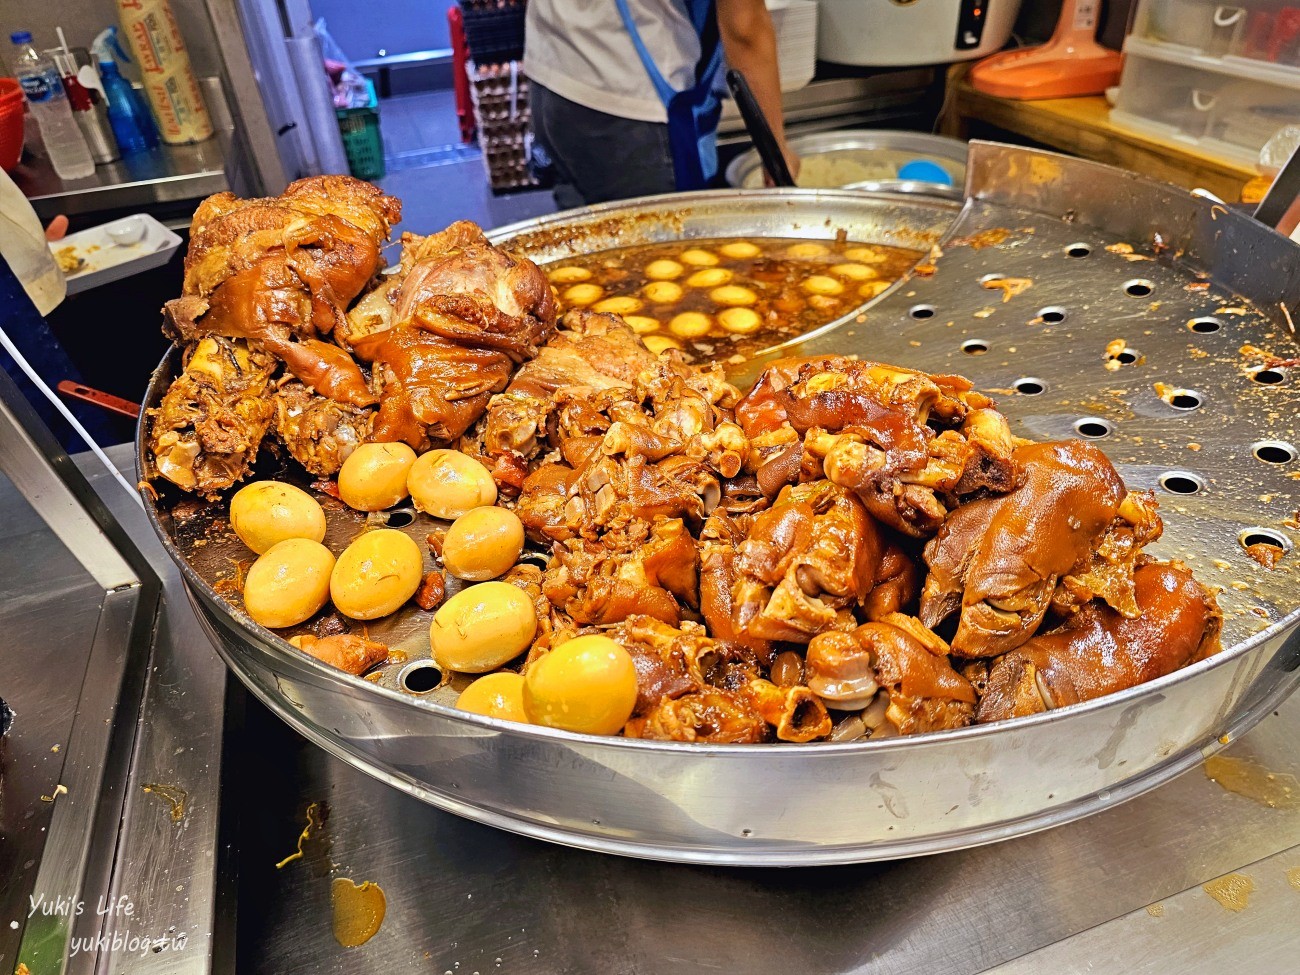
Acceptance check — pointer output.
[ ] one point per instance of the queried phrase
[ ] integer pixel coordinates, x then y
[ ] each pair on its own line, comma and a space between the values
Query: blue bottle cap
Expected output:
21, 37
924, 171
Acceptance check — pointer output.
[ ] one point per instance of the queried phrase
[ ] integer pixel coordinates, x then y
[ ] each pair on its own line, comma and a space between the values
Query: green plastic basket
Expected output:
361, 140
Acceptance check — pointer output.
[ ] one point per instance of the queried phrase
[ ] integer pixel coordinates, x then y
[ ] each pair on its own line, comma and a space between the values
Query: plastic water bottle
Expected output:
49, 103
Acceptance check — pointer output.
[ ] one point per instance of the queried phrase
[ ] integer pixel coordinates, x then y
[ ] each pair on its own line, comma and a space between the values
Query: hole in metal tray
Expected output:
1251, 537
1093, 428
420, 677
1182, 482
1273, 451
400, 517
1184, 399
1268, 376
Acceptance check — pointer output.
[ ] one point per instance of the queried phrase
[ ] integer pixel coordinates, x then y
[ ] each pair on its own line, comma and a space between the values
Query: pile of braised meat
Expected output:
849, 549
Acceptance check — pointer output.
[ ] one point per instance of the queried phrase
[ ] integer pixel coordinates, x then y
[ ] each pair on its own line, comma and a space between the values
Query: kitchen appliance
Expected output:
1071, 63
1218, 449
894, 33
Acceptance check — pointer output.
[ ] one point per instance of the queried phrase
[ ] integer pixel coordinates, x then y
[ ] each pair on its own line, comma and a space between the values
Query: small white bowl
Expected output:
128, 231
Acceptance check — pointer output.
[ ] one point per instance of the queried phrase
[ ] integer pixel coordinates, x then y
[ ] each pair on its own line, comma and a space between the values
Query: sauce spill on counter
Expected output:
358, 911
1293, 877
1232, 890
1277, 790
316, 815
173, 795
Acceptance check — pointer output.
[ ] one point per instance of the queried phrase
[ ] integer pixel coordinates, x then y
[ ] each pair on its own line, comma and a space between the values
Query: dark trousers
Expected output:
600, 157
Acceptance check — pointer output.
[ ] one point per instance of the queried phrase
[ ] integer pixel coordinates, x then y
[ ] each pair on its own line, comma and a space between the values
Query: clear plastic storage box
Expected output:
1221, 77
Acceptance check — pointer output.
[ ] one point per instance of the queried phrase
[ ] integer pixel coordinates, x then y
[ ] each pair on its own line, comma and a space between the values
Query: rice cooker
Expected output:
897, 33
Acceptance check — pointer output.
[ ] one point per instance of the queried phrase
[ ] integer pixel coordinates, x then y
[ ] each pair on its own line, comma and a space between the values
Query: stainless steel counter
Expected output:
93, 866
466, 898
168, 174
1120, 891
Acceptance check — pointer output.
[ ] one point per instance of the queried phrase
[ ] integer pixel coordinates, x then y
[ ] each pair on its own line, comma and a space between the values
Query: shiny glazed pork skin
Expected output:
1098, 652
998, 560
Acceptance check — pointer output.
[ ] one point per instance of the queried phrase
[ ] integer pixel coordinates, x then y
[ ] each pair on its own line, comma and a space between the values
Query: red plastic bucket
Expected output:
11, 93
11, 135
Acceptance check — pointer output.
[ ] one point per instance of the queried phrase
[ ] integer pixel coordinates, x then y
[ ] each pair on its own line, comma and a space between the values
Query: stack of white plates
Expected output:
796, 40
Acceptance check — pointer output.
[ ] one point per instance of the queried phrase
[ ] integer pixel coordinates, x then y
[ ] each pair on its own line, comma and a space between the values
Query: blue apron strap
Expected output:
693, 112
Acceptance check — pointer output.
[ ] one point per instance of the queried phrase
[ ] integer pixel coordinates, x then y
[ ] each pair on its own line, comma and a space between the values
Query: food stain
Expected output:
358, 911
174, 795
1293, 877
1126, 251
1232, 891
1273, 789
1156, 910
315, 818
985, 238
1010, 287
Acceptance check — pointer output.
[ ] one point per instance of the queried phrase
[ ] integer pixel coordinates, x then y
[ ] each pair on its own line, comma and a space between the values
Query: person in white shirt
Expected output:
624, 92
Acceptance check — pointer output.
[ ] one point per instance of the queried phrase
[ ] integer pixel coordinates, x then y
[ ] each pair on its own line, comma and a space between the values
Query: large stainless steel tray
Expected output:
833, 803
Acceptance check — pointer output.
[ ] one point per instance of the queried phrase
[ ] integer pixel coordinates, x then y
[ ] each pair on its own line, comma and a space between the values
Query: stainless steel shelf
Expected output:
168, 174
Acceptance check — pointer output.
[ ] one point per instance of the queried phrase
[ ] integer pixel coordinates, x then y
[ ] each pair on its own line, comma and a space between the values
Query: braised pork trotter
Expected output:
1098, 651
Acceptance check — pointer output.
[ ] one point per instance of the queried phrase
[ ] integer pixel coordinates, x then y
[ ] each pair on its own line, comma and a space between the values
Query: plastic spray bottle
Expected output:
127, 112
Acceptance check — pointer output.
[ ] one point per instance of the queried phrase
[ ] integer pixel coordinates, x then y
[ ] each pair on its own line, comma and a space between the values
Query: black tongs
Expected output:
769, 150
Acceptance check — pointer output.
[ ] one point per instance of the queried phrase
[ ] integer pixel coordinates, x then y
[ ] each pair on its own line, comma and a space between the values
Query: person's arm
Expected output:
749, 42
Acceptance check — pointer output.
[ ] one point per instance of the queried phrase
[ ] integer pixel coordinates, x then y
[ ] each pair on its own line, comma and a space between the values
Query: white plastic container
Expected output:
1174, 87
1198, 25
22, 242
117, 250
1261, 31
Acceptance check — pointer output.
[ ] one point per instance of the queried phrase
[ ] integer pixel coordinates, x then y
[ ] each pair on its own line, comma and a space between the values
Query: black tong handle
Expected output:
769, 150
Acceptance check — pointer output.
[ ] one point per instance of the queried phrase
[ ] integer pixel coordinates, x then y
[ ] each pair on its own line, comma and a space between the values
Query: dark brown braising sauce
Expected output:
721, 298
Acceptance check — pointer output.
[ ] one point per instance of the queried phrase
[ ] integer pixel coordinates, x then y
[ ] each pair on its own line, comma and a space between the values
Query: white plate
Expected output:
107, 261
